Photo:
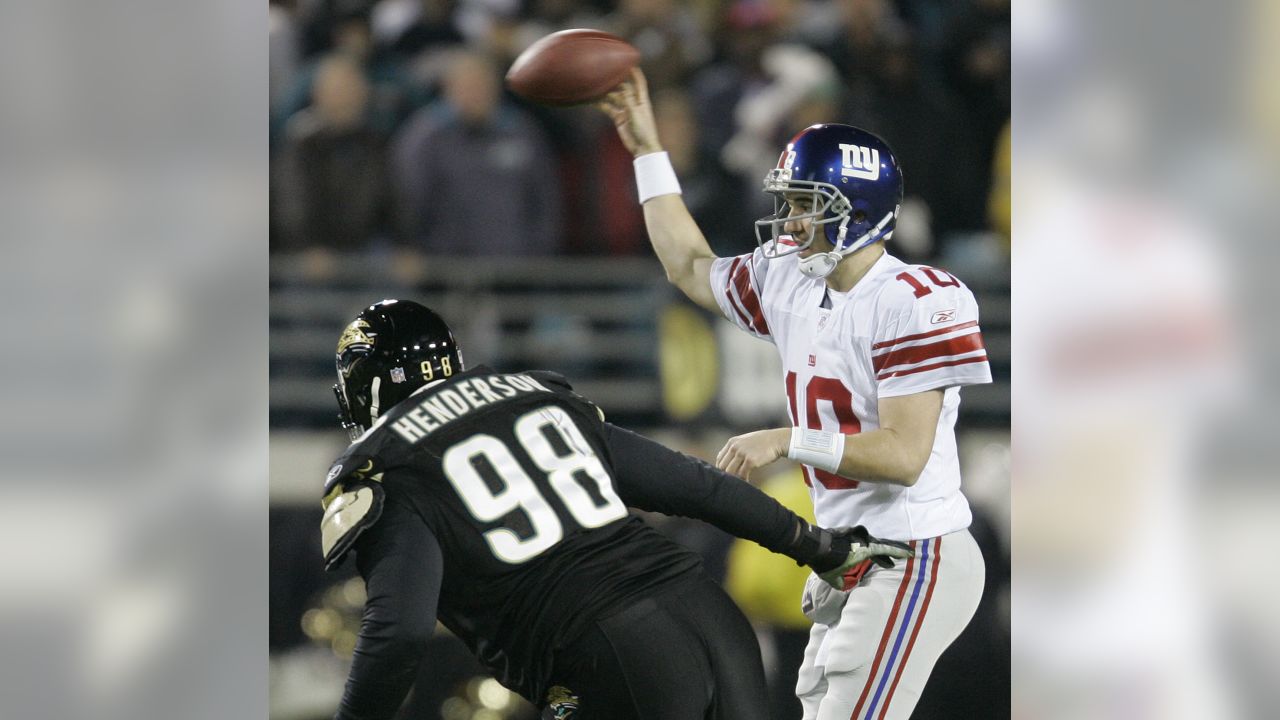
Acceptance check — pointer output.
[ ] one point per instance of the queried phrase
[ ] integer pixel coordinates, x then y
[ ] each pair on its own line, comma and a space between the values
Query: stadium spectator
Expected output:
975, 63
747, 31
332, 189
864, 28
282, 50
410, 27
672, 44
392, 97
898, 100
745, 102
474, 173
709, 190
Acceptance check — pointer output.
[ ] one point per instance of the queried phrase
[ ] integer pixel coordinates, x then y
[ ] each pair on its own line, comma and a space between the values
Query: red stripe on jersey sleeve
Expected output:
920, 353
934, 366
729, 293
921, 336
751, 302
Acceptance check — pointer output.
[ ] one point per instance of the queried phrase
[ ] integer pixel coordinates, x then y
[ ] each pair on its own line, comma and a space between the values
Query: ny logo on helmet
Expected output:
860, 162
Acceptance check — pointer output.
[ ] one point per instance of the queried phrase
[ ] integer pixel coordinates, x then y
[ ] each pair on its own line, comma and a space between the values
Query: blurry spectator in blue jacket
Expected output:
474, 173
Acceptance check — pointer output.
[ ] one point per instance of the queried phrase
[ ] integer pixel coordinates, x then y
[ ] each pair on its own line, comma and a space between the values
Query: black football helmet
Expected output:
390, 350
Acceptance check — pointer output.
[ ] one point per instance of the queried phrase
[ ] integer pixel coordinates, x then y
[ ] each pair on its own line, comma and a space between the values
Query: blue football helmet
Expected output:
854, 191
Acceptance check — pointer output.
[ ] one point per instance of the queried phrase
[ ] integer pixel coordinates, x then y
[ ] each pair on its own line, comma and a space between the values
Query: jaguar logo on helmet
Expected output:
354, 335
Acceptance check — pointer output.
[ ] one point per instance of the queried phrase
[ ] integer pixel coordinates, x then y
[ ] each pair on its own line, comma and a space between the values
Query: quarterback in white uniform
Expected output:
874, 353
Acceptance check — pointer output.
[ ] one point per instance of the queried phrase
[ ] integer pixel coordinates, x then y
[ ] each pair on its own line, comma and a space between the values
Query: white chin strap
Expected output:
819, 265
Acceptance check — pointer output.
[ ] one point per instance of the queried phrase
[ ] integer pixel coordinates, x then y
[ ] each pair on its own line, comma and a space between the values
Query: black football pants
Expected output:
686, 653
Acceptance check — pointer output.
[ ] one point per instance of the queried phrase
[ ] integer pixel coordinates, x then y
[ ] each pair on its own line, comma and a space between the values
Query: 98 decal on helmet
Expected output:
846, 180
390, 350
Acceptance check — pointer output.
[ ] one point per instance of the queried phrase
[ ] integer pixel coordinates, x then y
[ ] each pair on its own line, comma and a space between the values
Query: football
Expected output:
572, 67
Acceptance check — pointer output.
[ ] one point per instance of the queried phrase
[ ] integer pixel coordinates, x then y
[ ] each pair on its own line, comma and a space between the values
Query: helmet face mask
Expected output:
826, 207
387, 353
344, 411
853, 185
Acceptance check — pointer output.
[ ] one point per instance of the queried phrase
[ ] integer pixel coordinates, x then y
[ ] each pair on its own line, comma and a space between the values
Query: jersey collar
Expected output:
882, 264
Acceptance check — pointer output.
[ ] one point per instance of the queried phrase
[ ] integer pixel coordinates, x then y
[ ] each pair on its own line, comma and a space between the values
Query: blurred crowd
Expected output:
391, 130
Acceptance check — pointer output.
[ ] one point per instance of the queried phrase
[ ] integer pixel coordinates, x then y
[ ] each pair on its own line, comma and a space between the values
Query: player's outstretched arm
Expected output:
676, 238
895, 453
653, 477
402, 566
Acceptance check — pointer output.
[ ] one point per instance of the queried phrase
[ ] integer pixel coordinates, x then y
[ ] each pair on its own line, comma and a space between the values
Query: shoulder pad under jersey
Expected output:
547, 377
559, 382
352, 503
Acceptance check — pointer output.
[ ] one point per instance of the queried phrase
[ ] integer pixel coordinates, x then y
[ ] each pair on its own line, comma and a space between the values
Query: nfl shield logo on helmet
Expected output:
397, 374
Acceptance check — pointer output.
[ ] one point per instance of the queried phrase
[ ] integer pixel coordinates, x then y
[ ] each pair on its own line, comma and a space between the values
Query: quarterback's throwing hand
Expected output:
629, 108
744, 453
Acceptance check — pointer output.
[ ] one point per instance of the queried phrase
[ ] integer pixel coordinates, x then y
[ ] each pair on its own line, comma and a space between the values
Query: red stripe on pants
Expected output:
933, 580
888, 631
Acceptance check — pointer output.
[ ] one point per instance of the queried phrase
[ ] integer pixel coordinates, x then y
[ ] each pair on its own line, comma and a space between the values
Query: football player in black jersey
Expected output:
497, 503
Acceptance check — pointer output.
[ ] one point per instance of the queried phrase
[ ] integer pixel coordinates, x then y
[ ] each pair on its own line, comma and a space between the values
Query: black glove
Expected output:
832, 553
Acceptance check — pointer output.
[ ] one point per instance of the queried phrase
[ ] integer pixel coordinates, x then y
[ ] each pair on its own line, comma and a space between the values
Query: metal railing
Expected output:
593, 319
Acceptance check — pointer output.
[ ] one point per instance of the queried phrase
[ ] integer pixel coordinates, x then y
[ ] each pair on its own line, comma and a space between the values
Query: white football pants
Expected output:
872, 664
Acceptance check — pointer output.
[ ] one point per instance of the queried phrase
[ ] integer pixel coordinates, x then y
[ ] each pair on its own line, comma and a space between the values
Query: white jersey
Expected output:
902, 329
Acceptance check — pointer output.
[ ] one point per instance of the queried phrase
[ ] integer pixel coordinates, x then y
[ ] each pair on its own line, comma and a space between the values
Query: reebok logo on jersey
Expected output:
813, 360
943, 316
860, 162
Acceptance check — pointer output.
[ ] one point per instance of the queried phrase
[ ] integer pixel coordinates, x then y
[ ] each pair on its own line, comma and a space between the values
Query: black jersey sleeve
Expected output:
401, 563
653, 477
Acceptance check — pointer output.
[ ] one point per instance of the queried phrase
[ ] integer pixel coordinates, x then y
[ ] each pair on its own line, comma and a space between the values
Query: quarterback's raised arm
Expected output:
676, 238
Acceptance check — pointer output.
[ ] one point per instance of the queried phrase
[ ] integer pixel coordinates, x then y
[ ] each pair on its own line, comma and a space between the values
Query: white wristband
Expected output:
655, 176
817, 448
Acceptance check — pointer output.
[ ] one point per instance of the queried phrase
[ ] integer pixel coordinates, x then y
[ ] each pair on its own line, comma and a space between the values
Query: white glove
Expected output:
822, 603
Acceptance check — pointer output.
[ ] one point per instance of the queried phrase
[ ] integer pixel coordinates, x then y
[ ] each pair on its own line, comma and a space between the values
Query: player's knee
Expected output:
843, 690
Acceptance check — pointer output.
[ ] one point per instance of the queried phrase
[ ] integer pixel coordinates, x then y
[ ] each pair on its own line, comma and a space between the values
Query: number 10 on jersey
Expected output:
833, 391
